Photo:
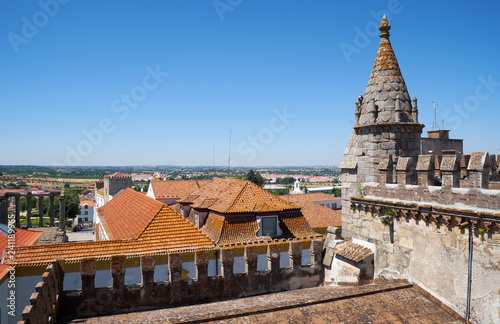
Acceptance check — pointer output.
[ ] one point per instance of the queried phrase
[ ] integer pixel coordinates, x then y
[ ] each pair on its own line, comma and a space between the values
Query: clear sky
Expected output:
164, 82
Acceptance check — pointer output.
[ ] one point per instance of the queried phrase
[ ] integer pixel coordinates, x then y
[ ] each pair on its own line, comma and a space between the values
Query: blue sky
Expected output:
163, 82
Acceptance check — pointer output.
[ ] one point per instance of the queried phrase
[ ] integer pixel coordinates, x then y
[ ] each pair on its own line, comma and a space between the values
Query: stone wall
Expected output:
421, 231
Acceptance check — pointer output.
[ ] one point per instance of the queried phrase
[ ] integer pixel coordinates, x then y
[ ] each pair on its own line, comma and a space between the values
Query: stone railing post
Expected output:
18, 220
118, 276
273, 261
450, 169
147, 274
28, 208
201, 263
40, 211
51, 211
87, 273
175, 267
250, 257
385, 168
425, 170
227, 264
405, 170
295, 254
464, 162
175, 276
316, 252
62, 212
479, 169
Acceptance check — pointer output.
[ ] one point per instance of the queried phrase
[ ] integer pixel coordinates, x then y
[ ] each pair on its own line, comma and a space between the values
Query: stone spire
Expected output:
386, 83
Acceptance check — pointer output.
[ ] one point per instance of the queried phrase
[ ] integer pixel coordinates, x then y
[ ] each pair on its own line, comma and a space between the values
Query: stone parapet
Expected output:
92, 301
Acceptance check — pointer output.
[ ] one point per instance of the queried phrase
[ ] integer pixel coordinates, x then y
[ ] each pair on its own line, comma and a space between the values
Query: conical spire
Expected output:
386, 83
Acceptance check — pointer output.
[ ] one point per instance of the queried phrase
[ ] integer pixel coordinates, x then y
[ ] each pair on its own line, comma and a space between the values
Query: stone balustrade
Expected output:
6, 197
46, 300
92, 301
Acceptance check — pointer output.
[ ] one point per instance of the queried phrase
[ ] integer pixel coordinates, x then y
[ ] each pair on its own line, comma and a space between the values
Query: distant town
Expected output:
277, 179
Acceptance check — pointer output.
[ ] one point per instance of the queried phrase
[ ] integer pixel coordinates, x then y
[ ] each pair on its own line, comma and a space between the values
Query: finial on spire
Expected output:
384, 28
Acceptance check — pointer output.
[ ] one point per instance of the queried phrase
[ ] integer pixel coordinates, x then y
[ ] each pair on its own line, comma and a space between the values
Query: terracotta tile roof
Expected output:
320, 216
22, 238
88, 202
353, 251
236, 196
231, 230
118, 175
127, 214
175, 189
297, 226
166, 232
317, 196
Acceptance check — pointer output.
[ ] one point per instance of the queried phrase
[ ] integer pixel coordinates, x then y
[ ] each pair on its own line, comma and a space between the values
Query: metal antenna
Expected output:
213, 160
229, 157
435, 106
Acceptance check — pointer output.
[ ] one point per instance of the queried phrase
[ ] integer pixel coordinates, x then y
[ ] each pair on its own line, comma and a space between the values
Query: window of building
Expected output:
86, 213
86, 219
269, 226
86, 206
328, 205
196, 220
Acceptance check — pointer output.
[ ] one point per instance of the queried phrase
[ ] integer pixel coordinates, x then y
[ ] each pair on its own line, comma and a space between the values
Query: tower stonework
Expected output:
386, 125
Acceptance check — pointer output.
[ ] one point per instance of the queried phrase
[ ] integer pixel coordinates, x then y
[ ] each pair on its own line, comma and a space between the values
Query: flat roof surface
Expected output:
376, 303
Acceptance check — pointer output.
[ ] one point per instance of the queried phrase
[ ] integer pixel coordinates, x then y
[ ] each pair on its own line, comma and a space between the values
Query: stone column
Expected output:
295, 254
118, 276
18, 221
40, 211
425, 170
87, 273
51, 211
28, 213
479, 169
147, 273
62, 212
273, 261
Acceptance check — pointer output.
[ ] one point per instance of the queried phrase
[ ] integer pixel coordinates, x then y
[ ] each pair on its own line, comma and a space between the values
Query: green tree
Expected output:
255, 177
336, 192
66, 185
72, 203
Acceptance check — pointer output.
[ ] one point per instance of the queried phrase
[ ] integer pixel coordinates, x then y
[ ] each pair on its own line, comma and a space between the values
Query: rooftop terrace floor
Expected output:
376, 303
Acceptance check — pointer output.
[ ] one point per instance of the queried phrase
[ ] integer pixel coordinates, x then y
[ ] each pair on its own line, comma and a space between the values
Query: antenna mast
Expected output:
213, 160
435, 106
229, 157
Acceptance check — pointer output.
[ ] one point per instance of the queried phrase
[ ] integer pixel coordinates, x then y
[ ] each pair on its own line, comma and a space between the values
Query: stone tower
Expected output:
386, 126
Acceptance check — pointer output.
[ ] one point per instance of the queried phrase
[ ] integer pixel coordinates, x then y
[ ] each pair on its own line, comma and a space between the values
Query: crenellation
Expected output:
121, 297
478, 169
